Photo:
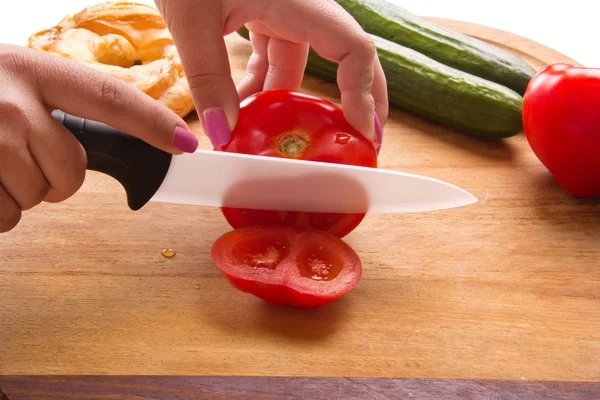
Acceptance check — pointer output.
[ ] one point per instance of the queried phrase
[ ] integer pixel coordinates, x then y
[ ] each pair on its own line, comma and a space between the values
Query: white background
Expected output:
571, 27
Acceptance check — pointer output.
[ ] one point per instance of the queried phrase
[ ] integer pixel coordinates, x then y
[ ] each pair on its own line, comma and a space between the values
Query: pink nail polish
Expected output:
185, 140
216, 126
378, 133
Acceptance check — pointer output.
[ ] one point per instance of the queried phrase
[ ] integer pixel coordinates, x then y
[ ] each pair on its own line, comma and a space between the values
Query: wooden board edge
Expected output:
498, 37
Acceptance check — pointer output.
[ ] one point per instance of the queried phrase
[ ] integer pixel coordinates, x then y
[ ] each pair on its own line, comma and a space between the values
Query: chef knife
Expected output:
222, 179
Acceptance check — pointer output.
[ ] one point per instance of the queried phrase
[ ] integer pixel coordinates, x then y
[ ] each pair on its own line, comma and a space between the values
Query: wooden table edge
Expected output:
91, 387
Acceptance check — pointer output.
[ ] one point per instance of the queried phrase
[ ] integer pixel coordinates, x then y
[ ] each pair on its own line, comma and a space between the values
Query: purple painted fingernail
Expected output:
217, 128
378, 133
185, 140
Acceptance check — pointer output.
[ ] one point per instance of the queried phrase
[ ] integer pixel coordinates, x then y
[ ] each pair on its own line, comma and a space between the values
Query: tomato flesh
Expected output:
287, 265
287, 124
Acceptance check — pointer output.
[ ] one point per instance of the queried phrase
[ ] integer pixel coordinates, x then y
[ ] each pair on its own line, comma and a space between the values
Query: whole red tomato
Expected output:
287, 265
283, 123
561, 118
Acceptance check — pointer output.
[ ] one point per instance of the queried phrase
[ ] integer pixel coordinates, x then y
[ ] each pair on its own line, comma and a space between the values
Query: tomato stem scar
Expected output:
291, 144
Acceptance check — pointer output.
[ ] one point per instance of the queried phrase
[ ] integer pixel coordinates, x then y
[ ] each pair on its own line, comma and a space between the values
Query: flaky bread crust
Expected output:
127, 40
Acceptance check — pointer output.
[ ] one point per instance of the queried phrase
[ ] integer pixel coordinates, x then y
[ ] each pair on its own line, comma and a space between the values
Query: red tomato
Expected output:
287, 265
561, 110
281, 123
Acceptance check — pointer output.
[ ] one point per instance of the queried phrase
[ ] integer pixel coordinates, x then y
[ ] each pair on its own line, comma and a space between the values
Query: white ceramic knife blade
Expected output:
220, 179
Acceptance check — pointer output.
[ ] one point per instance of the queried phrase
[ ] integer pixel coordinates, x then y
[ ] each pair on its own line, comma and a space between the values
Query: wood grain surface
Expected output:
508, 288
286, 388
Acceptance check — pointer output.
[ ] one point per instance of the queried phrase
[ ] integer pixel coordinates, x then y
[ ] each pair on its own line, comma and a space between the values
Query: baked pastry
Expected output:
127, 40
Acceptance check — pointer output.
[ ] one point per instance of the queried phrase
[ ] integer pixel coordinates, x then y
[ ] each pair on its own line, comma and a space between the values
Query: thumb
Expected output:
197, 29
88, 93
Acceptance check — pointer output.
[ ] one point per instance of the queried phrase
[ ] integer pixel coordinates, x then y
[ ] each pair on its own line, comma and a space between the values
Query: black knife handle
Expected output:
138, 166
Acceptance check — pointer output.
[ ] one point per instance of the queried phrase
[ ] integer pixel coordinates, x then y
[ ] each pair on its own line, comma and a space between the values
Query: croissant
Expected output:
127, 40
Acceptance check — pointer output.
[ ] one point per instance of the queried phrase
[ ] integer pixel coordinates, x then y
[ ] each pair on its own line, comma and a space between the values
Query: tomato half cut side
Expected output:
288, 265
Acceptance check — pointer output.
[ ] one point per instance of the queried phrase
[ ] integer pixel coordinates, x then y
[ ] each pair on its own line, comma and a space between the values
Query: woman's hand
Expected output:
40, 160
280, 32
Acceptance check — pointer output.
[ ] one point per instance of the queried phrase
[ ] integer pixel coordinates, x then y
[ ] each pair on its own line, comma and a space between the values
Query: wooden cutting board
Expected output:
508, 288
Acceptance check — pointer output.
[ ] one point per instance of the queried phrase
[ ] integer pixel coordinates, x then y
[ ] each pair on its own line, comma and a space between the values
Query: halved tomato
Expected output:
287, 124
288, 265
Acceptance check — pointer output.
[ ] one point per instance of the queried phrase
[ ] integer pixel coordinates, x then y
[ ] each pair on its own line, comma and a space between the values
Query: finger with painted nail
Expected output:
280, 41
215, 124
197, 29
378, 134
40, 160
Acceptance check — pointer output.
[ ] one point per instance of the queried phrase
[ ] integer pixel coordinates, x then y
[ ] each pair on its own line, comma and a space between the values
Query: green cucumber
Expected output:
388, 21
436, 92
